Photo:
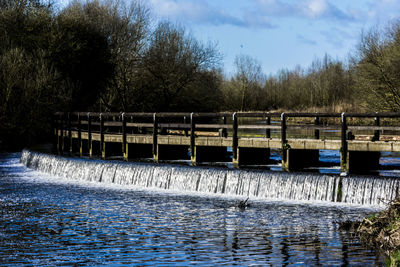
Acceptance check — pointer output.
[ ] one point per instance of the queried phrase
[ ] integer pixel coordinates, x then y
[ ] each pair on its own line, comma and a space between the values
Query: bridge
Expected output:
207, 137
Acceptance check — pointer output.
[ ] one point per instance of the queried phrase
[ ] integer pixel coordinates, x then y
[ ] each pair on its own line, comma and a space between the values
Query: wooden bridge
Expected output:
206, 137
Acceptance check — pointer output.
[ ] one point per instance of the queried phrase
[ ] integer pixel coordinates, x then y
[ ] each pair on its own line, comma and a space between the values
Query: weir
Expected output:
255, 184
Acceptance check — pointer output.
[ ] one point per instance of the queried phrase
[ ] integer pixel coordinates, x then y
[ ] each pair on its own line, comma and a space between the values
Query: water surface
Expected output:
46, 220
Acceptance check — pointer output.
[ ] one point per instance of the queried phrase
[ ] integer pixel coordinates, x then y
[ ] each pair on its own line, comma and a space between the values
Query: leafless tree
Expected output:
249, 80
378, 68
174, 62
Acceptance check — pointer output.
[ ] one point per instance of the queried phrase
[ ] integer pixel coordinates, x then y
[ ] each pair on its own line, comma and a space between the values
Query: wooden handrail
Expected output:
238, 114
136, 122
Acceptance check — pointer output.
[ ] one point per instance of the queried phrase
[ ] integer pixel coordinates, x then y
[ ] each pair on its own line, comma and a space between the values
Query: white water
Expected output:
255, 184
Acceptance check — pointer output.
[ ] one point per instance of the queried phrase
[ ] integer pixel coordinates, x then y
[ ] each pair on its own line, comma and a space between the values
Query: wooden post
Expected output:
316, 131
285, 147
69, 134
102, 144
343, 150
224, 130
185, 122
268, 131
124, 143
155, 133
192, 139
283, 128
89, 118
235, 140
376, 132
80, 135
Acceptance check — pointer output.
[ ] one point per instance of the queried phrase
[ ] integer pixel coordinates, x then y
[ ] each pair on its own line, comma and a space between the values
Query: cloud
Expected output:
256, 20
201, 12
305, 40
252, 14
315, 8
383, 10
309, 9
337, 37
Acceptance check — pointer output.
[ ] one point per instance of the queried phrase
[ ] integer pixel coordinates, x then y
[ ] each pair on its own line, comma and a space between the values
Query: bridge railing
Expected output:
245, 132
136, 122
230, 125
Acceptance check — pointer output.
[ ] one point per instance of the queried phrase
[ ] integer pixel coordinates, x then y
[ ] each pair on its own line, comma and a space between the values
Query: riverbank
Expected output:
382, 230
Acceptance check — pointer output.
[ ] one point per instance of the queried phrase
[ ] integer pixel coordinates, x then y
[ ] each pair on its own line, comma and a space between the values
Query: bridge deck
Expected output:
250, 135
247, 142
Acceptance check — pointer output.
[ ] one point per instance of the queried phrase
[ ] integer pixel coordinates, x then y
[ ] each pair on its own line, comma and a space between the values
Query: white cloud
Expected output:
309, 9
315, 8
305, 40
265, 13
337, 37
200, 11
384, 10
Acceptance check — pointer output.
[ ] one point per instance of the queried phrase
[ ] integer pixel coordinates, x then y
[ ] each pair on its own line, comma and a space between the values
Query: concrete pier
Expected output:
84, 147
172, 152
252, 156
137, 151
361, 161
95, 149
111, 149
295, 159
209, 154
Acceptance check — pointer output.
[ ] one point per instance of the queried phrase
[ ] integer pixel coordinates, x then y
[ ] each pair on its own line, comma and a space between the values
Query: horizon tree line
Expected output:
106, 55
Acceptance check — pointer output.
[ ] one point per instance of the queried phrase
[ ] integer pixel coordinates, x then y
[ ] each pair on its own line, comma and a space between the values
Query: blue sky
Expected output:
278, 33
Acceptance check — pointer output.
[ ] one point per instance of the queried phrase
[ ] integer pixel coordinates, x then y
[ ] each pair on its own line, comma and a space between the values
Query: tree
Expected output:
25, 23
330, 82
80, 52
173, 66
29, 96
125, 28
28, 90
378, 68
248, 80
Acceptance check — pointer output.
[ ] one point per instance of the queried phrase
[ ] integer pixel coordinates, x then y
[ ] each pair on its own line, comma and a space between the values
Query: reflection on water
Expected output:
45, 223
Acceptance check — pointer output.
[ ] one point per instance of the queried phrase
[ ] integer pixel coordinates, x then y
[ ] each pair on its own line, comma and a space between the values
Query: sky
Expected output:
279, 34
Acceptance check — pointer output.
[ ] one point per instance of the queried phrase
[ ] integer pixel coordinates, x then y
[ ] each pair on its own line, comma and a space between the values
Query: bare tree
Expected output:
249, 78
173, 63
125, 27
378, 68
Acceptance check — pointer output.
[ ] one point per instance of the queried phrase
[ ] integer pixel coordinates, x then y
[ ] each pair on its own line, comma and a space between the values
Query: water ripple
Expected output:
52, 224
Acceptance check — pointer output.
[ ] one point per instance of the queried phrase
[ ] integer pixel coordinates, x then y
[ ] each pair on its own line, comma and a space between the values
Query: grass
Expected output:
372, 217
394, 259
382, 230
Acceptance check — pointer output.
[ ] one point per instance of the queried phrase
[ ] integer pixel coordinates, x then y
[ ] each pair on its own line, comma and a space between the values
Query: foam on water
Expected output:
257, 184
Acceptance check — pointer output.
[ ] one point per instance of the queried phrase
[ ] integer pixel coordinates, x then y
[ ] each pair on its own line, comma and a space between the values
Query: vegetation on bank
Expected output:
105, 55
382, 230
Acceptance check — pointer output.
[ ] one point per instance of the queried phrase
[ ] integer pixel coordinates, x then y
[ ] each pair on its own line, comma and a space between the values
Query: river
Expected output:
50, 220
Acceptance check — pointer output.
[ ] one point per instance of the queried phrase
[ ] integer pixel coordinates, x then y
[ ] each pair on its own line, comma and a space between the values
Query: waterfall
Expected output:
361, 190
